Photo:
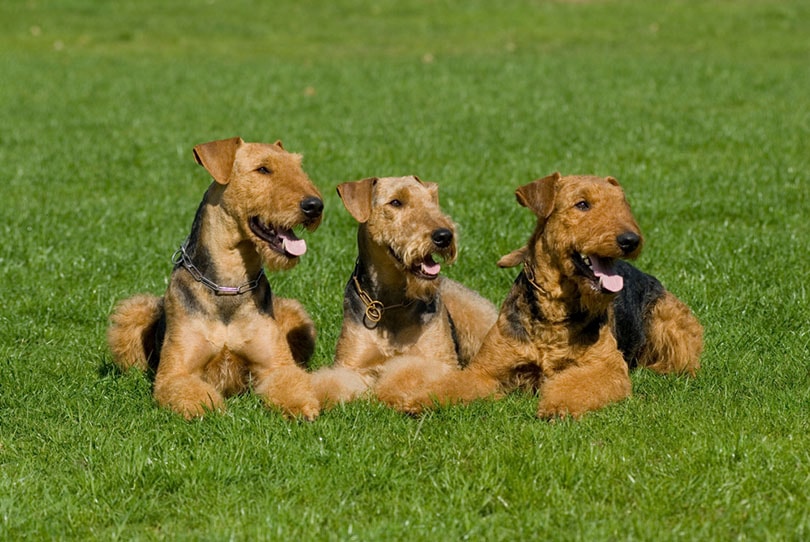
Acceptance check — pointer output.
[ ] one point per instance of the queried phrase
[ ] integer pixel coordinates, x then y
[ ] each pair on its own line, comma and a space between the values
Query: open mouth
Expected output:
600, 271
282, 240
426, 269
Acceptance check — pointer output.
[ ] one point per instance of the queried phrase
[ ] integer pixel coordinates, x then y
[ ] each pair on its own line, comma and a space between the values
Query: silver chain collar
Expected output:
180, 257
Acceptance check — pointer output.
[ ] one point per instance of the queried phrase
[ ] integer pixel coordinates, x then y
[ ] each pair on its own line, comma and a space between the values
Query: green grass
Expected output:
702, 111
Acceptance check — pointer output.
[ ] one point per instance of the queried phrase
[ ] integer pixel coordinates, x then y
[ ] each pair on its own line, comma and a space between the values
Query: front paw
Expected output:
401, 400
549, 410
308, 409
290, 390
338, 385
411, 384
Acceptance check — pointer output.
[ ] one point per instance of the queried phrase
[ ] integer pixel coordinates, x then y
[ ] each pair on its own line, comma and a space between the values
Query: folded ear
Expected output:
433, 188
612, 180
539, 195
514, 258
356, 196
217, 157
279, 145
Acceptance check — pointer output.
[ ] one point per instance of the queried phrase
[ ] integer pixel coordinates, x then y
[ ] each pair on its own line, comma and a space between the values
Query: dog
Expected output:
219, 329
577, 317
397, 309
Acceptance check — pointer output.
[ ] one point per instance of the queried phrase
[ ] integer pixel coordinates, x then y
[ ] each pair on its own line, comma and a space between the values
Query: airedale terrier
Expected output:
397, 309
577, 315
219, 330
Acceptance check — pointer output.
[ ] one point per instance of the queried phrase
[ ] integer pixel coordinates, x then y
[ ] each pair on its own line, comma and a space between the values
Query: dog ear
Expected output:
433, 188
217, 157
356, 196
612, 180
539, 195
514, 258
279, 145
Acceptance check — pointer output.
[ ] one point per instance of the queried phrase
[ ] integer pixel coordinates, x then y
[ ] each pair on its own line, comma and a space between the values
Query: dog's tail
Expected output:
134, 333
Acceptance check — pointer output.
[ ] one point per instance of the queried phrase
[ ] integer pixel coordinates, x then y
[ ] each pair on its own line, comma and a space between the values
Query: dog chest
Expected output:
228, 372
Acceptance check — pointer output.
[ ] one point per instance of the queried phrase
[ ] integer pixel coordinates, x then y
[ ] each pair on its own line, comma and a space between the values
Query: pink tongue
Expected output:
291, 244
429, 267
608, 279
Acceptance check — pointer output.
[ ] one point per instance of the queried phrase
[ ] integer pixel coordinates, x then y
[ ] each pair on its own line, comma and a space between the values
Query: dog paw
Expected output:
188, 396
303, 405
407, 399
308, 412
338, 385
407, 384
402, 402
192, 410
552, 411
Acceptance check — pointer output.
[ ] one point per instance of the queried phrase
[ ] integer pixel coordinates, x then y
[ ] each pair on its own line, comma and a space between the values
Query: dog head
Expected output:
402, 228
265, 190
584, 224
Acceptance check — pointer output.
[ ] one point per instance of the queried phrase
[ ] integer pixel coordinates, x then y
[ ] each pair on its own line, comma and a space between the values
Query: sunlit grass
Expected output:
700, 109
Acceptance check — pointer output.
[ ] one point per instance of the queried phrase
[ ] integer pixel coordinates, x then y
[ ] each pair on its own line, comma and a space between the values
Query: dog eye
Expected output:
264, 171
582, 205
395, 203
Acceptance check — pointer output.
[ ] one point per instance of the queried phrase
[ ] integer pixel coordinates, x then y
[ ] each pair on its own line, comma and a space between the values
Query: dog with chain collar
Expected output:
398, 312
218, 329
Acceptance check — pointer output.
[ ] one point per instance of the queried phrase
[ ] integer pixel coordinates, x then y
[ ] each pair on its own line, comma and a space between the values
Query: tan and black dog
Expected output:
397, 309
577, 316
219, 330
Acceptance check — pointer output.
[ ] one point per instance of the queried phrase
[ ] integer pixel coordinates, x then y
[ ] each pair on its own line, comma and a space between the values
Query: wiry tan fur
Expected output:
555, 328
400, 224
675, 338
131, 335
205, 346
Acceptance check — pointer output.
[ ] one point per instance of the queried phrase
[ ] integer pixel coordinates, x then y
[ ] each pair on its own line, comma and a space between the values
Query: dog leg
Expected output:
288, 388
412, 384
187, 394
297, 327
131, 336
581, 388
674, 338
336, 385
276, 377
473, 317
179, 383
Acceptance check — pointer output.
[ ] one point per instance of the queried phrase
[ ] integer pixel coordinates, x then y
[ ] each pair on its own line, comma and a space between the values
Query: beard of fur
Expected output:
408, 251
594, 301
274, 261
423, 290
552, 262
418, 288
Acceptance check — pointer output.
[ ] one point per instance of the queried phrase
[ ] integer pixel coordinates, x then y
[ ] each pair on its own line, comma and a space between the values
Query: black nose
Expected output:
312, 207
442, 237
628, 241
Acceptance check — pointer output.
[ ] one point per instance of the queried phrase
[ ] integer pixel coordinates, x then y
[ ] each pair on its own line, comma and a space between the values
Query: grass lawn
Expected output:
700, 109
